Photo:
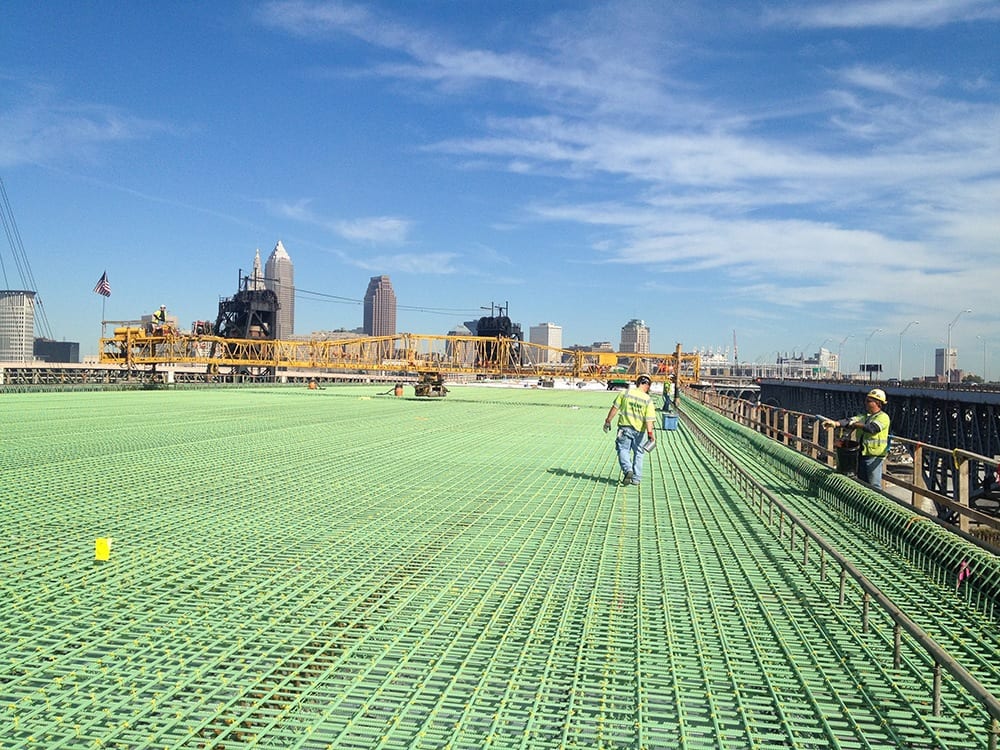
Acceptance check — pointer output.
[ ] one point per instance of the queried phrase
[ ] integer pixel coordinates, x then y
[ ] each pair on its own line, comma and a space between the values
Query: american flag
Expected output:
103, 286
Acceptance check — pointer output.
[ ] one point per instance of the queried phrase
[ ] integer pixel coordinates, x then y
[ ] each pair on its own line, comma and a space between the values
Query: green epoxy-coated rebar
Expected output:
337, 568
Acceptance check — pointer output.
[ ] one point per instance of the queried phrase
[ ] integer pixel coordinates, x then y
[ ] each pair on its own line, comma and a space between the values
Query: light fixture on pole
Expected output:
899, 375
947, 351
865, 363
840, 350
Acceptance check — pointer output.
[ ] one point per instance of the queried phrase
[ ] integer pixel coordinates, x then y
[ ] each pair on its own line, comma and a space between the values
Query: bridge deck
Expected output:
336, 568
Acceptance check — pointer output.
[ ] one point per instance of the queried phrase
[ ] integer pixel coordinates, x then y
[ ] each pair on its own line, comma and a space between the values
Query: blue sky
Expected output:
799, 173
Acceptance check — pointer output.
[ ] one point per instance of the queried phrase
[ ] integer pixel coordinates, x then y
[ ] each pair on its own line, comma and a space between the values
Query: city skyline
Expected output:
794, 173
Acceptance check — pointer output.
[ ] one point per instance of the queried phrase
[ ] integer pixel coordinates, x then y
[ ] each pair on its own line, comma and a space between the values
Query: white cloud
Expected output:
374, 229
418, 263
45, 130
568, 68
885, 13
377, 230
885, 81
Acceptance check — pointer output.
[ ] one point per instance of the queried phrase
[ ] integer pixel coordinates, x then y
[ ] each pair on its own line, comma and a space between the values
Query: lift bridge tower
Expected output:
251, 313
497, 325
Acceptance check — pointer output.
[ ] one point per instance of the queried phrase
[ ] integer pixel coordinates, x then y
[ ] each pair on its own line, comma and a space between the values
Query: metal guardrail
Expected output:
753, 491
805, 434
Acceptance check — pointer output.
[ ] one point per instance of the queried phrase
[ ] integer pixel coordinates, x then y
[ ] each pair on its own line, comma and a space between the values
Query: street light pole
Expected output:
985, 379
840, 350
947, 351
899, 375
867, 369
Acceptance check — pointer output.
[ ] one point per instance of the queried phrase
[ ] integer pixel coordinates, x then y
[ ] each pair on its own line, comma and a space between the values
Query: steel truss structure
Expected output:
135, 349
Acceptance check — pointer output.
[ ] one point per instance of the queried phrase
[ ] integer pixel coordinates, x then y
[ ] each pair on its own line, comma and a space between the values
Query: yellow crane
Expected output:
134, 348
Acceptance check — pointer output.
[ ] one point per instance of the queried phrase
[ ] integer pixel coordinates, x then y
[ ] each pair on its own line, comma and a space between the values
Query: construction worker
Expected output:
157, 321
636, 415
874, 428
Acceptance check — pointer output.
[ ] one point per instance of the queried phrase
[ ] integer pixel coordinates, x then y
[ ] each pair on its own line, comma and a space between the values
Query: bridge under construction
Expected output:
286, 567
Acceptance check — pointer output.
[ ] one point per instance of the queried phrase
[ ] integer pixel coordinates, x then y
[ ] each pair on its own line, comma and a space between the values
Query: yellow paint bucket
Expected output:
102, 548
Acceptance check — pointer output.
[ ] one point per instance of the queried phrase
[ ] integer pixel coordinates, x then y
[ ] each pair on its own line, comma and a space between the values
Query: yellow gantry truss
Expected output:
133, 348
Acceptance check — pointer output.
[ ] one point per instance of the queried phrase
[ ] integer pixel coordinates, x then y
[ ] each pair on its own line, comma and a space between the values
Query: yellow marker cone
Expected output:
102, 548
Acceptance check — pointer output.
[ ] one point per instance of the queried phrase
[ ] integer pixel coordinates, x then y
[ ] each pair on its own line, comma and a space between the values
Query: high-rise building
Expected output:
17, 326
635, 337
380, 307
256, 281
945, 362
547, 334
279, 277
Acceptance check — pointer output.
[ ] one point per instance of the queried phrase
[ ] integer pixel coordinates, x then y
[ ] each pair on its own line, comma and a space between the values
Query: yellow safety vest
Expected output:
875, 444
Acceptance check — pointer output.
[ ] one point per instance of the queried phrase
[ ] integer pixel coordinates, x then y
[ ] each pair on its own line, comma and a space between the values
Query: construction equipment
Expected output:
430, 384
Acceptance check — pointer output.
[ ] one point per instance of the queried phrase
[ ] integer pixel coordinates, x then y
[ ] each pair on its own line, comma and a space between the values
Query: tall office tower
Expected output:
635, 337
547, 334
17, 326
279, 277
945, 362
380, 308
256, 280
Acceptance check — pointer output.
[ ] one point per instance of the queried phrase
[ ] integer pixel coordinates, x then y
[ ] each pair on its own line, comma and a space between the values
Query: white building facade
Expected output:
17, 326
547, 334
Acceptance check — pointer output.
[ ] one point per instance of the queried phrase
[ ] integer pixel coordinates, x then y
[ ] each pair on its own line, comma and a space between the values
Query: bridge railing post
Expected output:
918, 473
962, 493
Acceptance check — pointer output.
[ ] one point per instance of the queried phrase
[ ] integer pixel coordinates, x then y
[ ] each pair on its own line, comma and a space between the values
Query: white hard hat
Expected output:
876, 393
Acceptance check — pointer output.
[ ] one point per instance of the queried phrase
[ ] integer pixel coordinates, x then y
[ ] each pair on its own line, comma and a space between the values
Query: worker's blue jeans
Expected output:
870, 470
629, 453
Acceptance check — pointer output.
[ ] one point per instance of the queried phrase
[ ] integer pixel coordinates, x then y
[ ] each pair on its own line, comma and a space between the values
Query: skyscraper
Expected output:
380, 307
945, 362
17, 326
635, 337
547, 334
279, 277
256, 280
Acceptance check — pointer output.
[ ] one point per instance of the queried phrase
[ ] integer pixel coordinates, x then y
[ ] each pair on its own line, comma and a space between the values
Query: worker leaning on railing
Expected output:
874, 428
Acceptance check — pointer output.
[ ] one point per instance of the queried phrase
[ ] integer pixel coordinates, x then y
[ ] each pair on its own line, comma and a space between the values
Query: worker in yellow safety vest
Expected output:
636, 414
873, 427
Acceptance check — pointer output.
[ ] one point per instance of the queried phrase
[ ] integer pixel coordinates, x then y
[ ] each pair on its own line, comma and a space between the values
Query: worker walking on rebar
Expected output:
874, 428
636, 416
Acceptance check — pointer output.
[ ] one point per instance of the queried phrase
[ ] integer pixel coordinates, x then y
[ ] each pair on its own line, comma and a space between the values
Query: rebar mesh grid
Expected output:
344, 569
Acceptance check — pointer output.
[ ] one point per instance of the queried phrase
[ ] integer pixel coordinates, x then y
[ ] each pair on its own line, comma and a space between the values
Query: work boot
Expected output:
627, 479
